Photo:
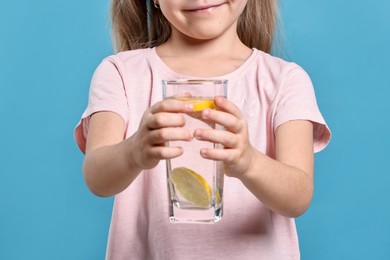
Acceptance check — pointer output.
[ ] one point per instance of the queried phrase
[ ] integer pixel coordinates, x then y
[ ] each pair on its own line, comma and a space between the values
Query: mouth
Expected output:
206, 8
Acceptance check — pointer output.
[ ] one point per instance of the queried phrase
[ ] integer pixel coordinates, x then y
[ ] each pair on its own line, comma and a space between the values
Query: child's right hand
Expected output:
161, 123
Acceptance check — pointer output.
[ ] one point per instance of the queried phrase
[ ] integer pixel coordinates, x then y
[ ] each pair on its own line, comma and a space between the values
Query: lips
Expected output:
203, 8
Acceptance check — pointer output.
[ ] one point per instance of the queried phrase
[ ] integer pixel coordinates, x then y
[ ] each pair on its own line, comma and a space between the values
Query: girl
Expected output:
273, 127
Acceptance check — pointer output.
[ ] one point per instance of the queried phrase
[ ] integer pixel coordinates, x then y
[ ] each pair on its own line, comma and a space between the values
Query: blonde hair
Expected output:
138, 24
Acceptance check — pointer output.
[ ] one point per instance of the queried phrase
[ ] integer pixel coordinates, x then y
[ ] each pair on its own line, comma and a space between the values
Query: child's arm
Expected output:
112, 163
284, 185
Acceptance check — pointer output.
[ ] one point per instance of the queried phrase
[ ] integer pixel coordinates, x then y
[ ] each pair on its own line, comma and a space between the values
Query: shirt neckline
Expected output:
160, 63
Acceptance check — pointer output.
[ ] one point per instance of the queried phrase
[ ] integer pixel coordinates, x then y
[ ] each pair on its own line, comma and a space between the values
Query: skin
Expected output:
283, 184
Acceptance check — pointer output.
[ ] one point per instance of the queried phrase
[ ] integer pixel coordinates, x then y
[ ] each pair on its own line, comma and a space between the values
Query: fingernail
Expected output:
197, 133
189, 107
206, 112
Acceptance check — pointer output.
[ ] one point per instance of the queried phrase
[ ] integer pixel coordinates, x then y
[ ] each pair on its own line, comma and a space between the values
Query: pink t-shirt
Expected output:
269, 92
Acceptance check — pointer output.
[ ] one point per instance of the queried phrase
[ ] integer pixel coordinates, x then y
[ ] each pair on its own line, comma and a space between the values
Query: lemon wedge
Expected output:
202, 104
192, 186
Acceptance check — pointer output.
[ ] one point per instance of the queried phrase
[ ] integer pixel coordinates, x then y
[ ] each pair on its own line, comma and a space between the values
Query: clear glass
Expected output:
195, 184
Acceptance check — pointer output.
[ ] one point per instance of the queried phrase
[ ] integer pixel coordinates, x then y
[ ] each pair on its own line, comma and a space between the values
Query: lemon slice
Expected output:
192, 186
202, 104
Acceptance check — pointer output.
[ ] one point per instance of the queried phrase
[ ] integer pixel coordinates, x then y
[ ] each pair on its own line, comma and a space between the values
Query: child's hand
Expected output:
237, 152
160, 123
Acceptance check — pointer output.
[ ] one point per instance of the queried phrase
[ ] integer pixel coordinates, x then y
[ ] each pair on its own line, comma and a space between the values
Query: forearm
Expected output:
108, 170
282, 188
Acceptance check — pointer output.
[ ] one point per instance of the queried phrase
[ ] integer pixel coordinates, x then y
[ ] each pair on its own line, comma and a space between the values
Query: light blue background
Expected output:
48, 52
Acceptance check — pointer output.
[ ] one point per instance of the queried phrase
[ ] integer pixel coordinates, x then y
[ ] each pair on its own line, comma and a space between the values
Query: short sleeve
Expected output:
297, 101
107, 93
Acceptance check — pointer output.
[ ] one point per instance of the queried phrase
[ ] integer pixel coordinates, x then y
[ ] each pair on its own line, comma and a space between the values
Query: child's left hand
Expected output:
238, 152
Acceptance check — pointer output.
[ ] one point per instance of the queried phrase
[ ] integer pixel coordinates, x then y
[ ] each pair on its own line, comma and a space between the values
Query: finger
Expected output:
226, 155
225, 105
165, 119
163, 135
165, 152
229, 121
227, 139
171, 105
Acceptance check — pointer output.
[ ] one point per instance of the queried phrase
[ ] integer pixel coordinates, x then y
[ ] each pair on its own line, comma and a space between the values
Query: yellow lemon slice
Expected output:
199, 103
202, 104
192, 186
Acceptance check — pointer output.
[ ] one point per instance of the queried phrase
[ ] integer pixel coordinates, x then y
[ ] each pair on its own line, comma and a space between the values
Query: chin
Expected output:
207, 34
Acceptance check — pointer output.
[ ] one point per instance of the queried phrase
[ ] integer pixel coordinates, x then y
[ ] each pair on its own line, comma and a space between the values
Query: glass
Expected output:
195, 184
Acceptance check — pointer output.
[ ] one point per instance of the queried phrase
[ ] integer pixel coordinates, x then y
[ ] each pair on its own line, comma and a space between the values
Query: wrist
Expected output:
252, 158
128, 147
245, 169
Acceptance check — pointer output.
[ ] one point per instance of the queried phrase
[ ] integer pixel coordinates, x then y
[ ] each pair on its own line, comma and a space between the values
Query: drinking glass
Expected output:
195, 184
